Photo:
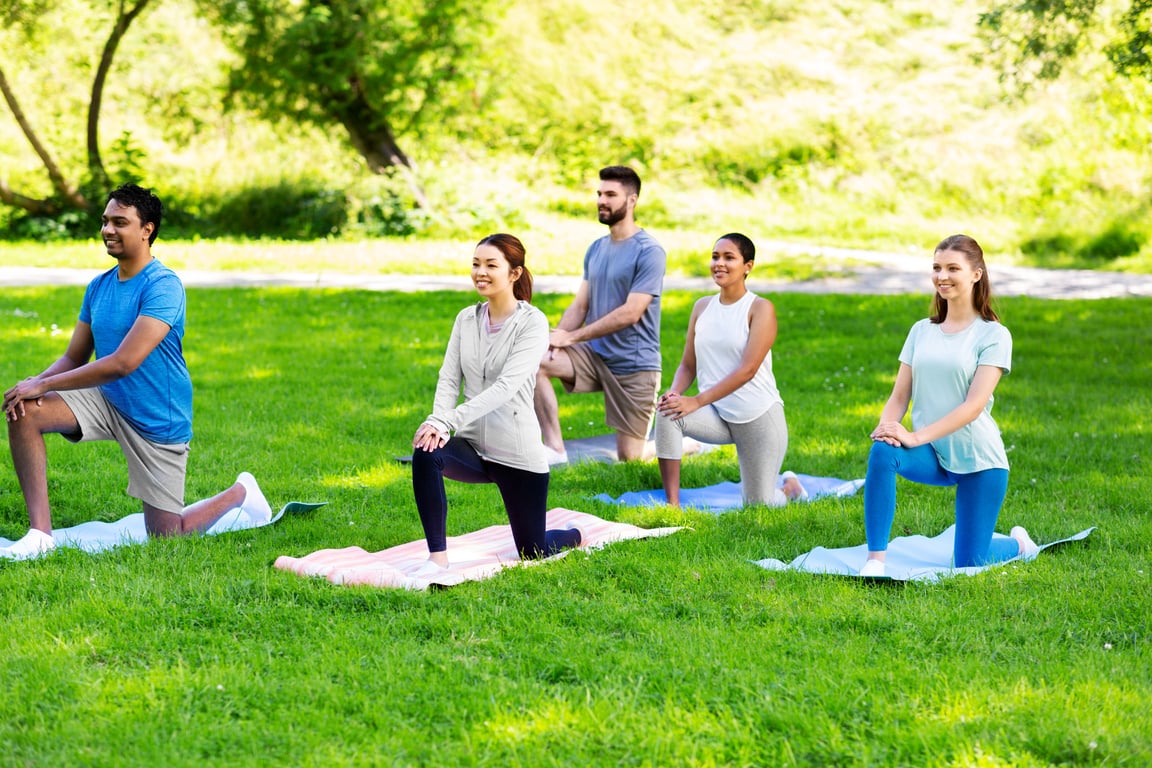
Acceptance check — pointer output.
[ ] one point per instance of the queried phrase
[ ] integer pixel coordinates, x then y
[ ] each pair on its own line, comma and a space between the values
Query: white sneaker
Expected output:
255, 505
872, 568
1028, 548
555, 457
790, 475
34, 544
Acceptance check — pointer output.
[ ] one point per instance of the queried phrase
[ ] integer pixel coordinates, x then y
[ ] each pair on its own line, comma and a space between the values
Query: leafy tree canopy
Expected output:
1038, 37
378, 69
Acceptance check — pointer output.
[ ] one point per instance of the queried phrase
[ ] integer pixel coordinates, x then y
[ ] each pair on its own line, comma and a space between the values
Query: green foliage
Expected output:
673, 651
373, 69
845, 123
1037, 38
1118, 240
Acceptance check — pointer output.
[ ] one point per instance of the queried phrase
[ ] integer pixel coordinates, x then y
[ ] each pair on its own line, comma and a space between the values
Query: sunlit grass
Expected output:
672, 651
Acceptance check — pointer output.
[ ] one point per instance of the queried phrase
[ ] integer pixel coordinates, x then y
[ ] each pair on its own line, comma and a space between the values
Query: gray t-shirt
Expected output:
614, 270
943, 366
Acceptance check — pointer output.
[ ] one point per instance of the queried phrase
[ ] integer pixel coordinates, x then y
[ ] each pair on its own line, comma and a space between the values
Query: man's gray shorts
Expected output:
155, 471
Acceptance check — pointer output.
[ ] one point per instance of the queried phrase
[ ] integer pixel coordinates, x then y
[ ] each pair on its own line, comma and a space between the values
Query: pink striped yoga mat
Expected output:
473, 556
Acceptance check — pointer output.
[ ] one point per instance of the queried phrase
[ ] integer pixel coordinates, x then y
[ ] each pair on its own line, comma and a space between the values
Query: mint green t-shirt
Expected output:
943, 366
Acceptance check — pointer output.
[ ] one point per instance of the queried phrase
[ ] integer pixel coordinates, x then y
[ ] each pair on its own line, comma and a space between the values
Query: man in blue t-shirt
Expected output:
609, 337
123, 378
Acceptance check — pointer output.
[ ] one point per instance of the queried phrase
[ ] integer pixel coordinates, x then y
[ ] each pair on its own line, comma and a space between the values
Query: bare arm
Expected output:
628, 313
573, 317
686, 370
73, 371
761, 337
979, 391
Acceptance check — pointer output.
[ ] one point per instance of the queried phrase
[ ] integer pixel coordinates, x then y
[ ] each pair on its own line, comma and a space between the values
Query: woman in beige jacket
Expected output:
493, 435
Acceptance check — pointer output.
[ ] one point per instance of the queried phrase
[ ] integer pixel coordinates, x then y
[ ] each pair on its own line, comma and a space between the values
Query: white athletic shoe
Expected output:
1028, 548
555, 457
255, 505
34, 544
872, 568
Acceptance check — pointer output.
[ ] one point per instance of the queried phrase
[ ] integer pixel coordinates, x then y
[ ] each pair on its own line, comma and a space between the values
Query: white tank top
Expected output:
721, 337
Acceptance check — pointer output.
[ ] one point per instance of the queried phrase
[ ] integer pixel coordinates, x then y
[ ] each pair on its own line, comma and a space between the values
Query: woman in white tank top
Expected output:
728, 352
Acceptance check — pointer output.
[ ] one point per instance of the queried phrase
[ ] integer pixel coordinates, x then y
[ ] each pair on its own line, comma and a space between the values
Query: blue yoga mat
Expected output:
722, 497
910, 558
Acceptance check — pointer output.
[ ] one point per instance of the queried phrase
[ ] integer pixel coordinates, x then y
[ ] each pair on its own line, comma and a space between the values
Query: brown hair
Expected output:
981, 291
513, 251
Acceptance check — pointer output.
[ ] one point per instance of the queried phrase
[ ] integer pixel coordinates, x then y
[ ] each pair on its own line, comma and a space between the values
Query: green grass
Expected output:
672, 651
556, 248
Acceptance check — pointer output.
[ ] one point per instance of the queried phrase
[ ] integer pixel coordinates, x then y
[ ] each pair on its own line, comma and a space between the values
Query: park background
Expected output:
855, 124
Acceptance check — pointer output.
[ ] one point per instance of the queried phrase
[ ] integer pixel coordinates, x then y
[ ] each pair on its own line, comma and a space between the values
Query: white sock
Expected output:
34, 544
255, 505
873, 568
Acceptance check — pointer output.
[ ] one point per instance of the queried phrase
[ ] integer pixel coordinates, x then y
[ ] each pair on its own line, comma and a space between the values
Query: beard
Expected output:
611, 217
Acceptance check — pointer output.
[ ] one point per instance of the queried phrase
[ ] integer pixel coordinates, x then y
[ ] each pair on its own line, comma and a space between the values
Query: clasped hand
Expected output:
895, 434
29, 389
429, 438
676, 406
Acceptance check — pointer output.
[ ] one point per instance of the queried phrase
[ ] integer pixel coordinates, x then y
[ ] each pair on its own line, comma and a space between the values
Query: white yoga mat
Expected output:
96, 536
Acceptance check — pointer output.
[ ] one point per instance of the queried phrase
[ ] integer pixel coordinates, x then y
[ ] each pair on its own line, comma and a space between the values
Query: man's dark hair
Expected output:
623, 174
146, 203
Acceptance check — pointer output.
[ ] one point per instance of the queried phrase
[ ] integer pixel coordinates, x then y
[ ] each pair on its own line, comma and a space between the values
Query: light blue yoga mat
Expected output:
722, 497
97, 536
910, 558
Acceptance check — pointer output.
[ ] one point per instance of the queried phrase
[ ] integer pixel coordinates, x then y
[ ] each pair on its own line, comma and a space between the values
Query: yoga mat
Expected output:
910, 558
96, 536
473, 556
725, 496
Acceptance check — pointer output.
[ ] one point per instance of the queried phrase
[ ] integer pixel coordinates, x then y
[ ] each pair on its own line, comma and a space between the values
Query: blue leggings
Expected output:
979, 496
525, 497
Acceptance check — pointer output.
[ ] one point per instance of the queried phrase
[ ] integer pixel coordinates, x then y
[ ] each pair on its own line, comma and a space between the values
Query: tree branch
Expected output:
123, 21
59, 183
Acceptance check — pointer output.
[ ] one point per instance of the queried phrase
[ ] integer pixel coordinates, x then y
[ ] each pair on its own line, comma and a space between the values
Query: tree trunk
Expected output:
67, 191
373, 139
123, 21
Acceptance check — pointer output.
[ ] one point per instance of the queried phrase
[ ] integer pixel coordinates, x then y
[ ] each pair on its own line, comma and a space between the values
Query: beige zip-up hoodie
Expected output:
498, 374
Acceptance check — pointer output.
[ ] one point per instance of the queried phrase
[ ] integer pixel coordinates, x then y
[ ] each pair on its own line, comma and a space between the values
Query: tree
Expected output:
1037, 37
67, 193
379, 69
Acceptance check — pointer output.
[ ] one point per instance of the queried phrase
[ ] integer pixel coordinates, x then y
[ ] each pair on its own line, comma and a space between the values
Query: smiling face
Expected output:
728, 265
125, 237
953, 276
491, 273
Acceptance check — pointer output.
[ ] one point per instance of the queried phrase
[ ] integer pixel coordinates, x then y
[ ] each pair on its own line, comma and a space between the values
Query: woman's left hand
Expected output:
676, 406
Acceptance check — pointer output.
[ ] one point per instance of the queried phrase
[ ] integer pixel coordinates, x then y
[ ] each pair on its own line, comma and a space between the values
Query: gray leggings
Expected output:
760, 446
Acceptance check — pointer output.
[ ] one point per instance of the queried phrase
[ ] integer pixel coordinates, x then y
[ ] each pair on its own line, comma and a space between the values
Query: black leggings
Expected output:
525, 497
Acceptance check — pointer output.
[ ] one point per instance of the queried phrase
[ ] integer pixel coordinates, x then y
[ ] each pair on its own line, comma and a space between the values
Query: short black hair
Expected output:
743, 244
146, 203
623, 174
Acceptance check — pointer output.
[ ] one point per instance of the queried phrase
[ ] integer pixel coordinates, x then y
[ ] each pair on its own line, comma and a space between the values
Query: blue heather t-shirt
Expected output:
614, 270
156, 398
943, 366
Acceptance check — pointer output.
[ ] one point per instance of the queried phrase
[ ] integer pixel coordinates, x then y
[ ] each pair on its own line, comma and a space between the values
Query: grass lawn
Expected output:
672, 651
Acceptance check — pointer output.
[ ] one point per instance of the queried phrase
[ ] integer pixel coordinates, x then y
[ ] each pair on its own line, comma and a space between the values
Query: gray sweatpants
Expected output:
760, 446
